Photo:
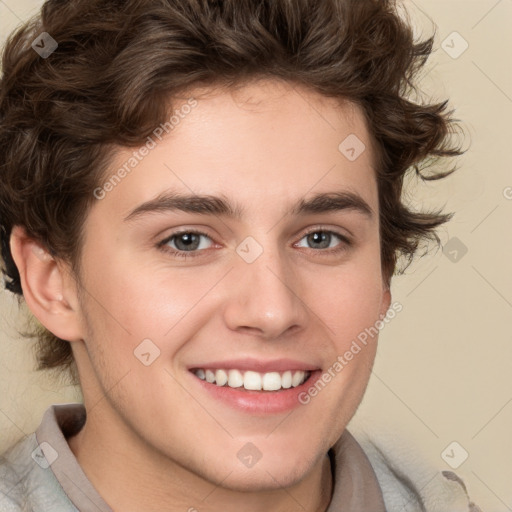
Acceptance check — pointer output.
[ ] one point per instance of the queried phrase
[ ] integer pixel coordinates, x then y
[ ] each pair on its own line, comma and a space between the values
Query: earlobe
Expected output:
44, 282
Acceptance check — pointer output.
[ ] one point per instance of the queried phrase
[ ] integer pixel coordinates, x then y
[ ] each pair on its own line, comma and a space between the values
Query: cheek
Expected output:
137, 302
151, 311
348, 301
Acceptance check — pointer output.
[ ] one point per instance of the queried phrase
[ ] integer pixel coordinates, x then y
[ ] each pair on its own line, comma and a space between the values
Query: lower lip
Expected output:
259, 402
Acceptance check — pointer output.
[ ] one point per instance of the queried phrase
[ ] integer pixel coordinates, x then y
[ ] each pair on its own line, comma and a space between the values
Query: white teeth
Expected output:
271, 381
221, 377
235, 379
297, 378
286, 380
253, 381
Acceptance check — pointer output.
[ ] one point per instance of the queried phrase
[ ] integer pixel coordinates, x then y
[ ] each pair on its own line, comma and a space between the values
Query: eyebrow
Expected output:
221, 206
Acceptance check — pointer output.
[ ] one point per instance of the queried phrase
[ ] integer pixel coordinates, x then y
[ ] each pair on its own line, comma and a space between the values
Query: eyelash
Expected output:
345, 242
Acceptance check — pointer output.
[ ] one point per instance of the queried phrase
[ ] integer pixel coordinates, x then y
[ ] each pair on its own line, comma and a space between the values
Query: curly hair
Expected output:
119, 65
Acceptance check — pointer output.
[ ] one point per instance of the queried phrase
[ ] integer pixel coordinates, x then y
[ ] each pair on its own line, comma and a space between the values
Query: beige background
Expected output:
443, 371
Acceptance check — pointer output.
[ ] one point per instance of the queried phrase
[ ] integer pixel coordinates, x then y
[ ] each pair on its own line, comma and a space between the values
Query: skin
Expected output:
153, 439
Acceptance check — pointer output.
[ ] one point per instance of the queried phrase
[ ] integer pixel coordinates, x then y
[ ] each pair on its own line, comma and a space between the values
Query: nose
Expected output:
264, 297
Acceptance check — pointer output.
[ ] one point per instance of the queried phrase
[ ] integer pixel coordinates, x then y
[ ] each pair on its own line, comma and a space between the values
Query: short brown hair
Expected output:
119, 64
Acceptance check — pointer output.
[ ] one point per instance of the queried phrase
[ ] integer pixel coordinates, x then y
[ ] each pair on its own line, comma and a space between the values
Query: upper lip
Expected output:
258, 365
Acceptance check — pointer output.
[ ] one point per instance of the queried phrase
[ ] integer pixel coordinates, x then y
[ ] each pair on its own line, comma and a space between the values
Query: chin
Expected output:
262, 479
268, 473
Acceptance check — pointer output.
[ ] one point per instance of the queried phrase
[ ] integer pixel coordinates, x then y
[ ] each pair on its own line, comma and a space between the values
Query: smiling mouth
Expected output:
251, 380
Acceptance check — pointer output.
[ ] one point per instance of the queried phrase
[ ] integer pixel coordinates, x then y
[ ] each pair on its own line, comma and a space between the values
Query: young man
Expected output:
200, 204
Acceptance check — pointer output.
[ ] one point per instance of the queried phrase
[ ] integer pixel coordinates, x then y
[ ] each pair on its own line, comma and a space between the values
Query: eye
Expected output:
323, 239
185, 241
185, 244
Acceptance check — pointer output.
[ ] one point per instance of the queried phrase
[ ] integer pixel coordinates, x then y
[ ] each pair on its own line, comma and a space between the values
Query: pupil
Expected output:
320, 237
187, 240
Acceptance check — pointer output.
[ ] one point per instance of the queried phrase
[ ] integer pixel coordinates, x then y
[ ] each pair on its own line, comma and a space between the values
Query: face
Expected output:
264, 276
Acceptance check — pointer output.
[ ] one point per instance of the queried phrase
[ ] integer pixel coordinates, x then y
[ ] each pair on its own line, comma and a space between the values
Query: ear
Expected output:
386, 300
49, 288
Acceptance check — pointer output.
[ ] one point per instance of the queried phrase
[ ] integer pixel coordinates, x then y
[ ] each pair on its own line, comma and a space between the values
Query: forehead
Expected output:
265, 140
